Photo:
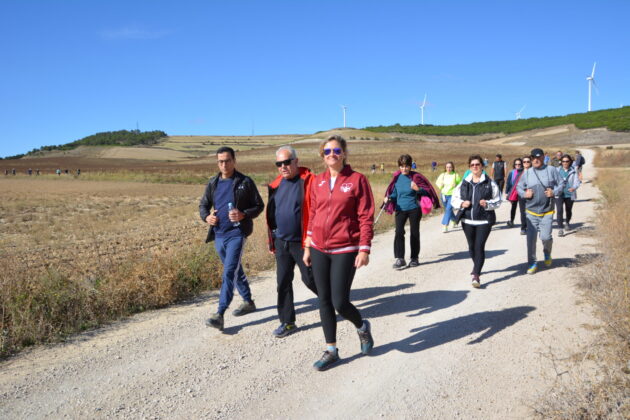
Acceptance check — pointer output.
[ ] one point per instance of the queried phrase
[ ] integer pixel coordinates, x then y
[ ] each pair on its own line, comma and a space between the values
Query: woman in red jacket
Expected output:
338, 242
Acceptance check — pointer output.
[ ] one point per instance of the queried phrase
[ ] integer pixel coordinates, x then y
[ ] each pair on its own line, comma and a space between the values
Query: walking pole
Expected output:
379, 213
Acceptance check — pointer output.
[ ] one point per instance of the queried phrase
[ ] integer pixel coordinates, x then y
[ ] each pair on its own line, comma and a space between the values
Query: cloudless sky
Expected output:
69, 69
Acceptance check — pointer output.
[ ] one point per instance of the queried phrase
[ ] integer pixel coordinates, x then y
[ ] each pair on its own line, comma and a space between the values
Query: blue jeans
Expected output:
230, 251
448, 209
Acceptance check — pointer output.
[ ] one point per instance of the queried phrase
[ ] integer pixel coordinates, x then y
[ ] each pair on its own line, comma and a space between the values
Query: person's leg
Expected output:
500, 184
513, 211
568, 202
233, 254
521, 206
545, 227
321, 272
481, 236
414, 232
227, 285
285, 265
470, 232
532, 233
448, 209
559, 218
399, 238
341, 275
297, 252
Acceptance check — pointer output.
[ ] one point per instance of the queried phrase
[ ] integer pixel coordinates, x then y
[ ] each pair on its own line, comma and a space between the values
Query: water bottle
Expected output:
231, 208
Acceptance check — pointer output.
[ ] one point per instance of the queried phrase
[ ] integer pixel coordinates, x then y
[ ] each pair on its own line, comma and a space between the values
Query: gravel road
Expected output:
443, 349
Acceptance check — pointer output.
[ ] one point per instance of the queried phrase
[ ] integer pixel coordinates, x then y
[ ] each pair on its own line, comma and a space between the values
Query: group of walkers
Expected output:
324, 224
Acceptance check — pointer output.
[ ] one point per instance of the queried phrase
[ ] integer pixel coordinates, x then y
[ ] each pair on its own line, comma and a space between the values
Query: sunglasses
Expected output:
336, 150
527, 161
475, 164
566, 161
286, 162
518, 164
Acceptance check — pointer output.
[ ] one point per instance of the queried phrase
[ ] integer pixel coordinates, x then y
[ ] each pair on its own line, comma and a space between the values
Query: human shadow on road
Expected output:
521, 269
417, 303
463, 255
312, 304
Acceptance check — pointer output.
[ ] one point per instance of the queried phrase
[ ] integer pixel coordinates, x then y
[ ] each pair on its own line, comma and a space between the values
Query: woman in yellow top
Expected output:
446, 183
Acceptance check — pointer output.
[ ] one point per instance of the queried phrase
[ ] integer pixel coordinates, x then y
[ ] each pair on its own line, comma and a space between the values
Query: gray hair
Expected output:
289, 149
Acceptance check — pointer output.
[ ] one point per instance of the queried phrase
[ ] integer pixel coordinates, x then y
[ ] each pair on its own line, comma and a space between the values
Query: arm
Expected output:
556, 182
254, 201
456, 198
205, 204
522, 185
440, 181
495, 201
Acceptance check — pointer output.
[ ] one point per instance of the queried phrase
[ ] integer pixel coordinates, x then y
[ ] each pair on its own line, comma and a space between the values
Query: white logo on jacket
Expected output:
322, 183
346, 187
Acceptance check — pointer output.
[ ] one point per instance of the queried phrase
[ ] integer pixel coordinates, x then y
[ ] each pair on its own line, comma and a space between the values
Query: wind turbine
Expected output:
518, 114
422, 105
591, 81
344, 108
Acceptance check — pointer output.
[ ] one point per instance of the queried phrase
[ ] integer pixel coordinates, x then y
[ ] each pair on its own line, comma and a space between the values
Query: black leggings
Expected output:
568, 204
521, 205
333, 277
477, 235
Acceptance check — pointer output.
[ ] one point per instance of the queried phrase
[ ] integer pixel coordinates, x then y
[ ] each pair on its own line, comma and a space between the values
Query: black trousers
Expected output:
477, 235
333, 276
288, 254
414, 217
500, 184
568, 205
521, 206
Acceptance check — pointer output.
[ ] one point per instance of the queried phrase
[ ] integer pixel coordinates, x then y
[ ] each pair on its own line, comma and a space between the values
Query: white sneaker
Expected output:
444, 228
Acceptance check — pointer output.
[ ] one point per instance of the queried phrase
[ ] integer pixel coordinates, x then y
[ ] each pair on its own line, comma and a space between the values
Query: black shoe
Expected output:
215, 321
399, 264
285, 329
327, 360
523, 232
510, 224
413, 262
244, 309
365, 338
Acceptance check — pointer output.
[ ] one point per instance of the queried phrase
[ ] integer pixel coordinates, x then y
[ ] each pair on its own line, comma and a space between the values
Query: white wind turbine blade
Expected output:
519, 112
593, 72
424, 102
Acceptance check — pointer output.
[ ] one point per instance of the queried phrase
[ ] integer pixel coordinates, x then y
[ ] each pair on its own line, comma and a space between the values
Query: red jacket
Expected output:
306, 176
341, 220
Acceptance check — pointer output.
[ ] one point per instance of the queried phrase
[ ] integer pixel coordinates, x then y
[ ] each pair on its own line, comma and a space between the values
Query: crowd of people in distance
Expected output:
37, 172
324, 223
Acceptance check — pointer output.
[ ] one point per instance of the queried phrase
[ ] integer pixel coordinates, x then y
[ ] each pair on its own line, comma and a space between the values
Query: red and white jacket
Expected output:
341, 220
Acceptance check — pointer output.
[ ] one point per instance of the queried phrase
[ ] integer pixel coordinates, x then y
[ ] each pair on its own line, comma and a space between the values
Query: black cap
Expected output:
537, 153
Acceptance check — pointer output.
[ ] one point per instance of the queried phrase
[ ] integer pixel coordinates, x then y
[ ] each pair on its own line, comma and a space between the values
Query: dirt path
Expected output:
443, 349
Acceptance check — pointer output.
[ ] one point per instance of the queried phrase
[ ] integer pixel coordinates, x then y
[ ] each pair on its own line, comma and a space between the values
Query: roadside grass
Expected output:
605, 280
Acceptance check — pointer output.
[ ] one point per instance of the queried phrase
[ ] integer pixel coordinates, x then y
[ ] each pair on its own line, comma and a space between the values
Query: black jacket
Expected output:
246, 199
475, 193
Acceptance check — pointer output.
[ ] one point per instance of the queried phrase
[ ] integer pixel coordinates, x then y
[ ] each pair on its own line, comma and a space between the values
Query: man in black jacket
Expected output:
235, 202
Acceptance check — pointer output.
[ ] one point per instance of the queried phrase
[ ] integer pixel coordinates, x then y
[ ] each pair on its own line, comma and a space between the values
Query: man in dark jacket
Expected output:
235, 202
287, 220
498, 172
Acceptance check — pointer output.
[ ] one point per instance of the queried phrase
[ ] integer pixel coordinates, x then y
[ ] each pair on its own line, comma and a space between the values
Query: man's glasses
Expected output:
286, 162
336, 150
223, 162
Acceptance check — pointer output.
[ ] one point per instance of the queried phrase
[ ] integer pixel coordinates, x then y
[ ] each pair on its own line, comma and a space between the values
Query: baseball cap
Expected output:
537, 152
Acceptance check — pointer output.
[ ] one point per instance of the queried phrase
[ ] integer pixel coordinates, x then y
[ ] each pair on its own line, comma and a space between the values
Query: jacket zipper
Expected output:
330, 191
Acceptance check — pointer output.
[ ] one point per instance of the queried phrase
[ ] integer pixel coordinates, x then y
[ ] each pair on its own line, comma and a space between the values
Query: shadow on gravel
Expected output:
521, 269
312, 305
487, 323
418, 303
464, 255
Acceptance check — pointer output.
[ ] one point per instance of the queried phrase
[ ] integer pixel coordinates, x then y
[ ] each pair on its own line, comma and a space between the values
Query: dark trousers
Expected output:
414, 217
568, 205
500, 184
288, 254
477, 235
521, 206
333, 276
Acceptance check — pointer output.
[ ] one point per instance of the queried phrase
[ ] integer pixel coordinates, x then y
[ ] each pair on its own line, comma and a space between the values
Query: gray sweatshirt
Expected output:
538, 179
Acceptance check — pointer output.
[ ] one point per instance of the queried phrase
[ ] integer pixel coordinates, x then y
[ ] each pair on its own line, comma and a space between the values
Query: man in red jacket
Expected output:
287, 221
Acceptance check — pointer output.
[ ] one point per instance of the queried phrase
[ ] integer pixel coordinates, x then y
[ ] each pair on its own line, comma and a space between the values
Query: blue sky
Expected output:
73, 68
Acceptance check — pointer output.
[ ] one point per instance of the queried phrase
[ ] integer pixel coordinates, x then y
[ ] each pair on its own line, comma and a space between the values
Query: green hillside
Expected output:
617, 119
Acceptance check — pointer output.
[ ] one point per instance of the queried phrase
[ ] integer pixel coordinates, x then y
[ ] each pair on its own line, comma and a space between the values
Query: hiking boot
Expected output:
548, 260
561, 233
414, 262
285, 329
245, 308
399, 264
327, 360
523, 232
215, 321
365, 337
476, 282
532, 268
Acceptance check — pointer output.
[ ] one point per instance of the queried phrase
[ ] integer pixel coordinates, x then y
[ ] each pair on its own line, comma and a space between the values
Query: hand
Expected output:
483, 203
466, 204
212, 218
362, 258
307, 257
236, 215
414, 186
571, 189
529, 193
385, 199
548, 193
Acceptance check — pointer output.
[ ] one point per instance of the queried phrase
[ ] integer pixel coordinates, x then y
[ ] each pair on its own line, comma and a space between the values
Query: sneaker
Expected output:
413, 262
561, 233
548, 260
476, 282
245, 308
523, 232
365, 337
532, 269
215, 321
399, 264
284, 329
327, 360
510, 223
452, 224
444, 228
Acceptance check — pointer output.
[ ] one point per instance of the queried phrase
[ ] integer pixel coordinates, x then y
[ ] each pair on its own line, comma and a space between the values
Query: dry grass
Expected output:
604, 393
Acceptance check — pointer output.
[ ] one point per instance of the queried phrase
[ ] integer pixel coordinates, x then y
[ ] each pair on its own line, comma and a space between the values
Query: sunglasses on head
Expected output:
286, 162
336, 150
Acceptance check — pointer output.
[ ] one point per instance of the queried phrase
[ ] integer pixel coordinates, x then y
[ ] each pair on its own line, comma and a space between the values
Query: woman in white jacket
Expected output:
568, 195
